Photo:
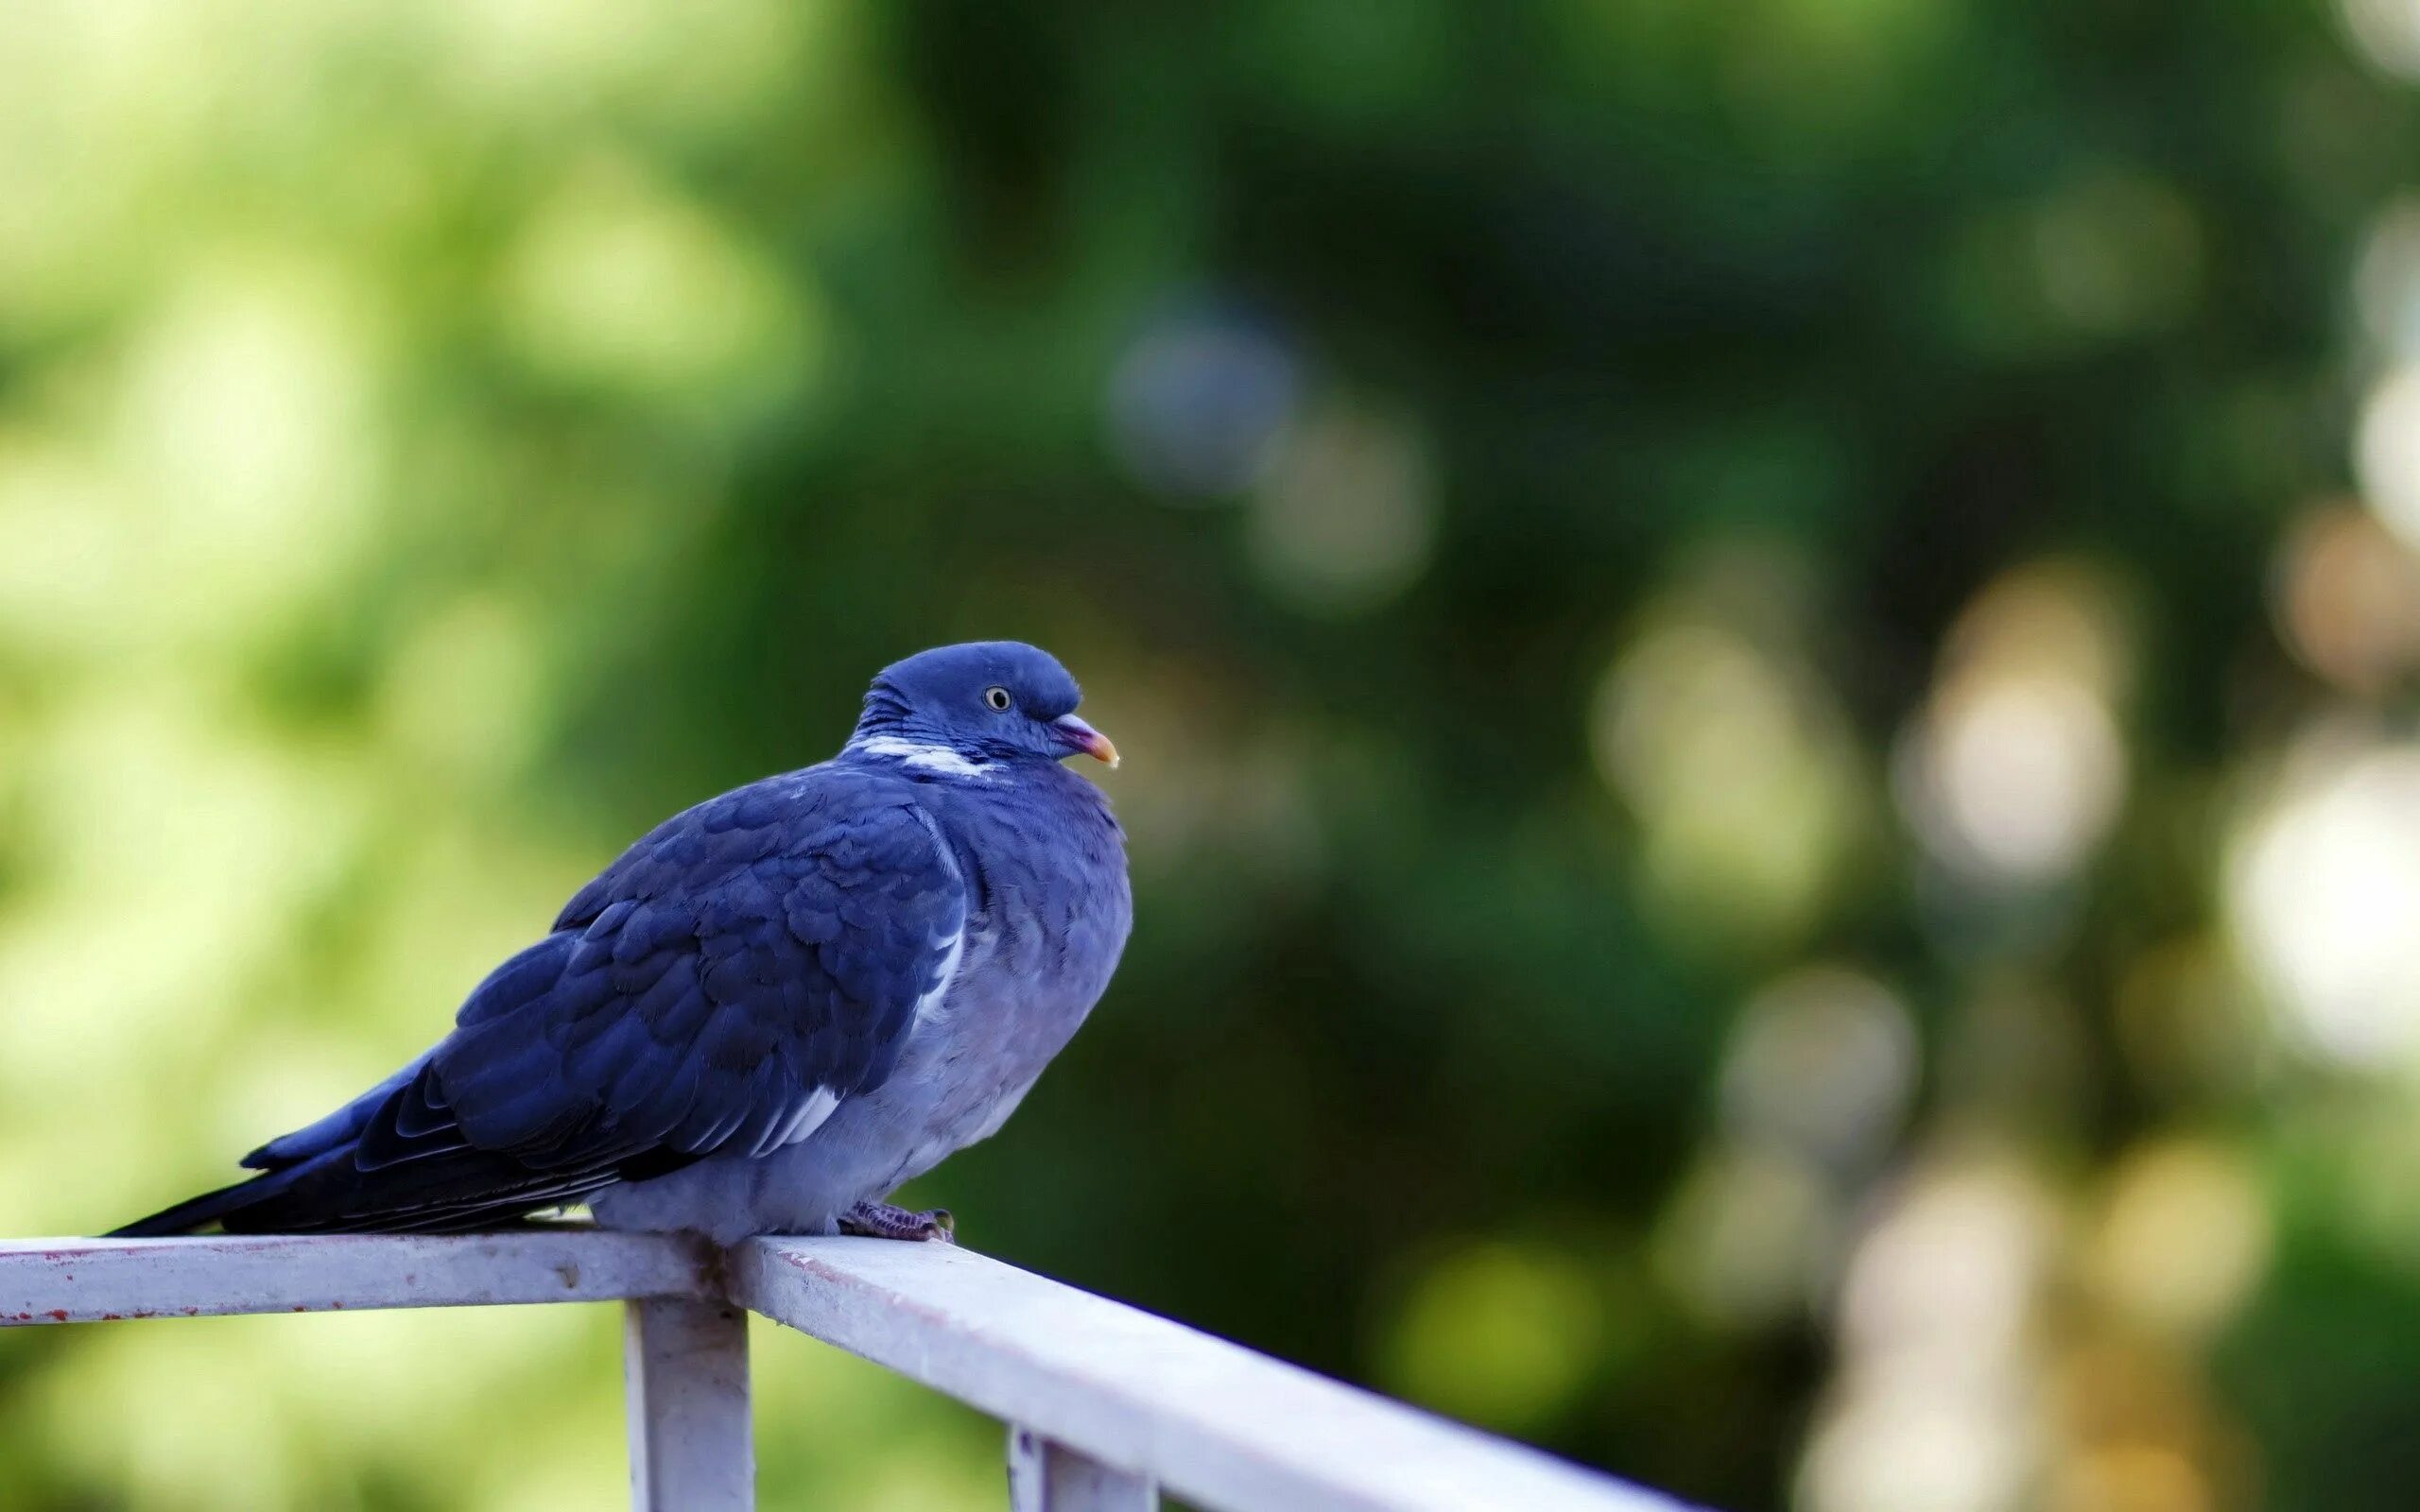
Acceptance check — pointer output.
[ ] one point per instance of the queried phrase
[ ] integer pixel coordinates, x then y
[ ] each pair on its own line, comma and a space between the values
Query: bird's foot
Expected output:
880, 1220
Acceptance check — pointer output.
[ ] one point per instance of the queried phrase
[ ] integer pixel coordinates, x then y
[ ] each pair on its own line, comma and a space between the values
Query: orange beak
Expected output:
1083, 737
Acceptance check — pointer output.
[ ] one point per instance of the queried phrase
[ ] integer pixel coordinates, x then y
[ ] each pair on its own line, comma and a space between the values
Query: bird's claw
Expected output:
880, 1220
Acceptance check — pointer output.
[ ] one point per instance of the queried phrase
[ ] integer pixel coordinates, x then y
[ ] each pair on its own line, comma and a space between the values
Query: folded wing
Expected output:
722, 988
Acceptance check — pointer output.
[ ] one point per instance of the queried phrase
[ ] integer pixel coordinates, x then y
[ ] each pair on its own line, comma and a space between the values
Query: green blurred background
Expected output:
1767, 652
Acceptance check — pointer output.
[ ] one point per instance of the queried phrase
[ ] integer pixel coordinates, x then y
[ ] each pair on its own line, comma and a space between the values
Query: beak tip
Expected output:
1084, 738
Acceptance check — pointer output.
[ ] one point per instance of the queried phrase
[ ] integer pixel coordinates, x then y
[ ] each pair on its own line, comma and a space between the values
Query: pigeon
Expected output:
772, 1010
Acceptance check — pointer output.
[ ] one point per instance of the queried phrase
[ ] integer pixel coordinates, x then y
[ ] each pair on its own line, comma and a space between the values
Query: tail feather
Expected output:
195, 1213
451, 1190
395, 1159
458, 1191
331, 1195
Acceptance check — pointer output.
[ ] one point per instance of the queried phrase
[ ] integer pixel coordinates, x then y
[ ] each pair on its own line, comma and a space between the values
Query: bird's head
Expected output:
957, 708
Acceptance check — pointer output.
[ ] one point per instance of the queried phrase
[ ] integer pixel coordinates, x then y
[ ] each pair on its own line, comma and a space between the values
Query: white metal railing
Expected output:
1106, 1403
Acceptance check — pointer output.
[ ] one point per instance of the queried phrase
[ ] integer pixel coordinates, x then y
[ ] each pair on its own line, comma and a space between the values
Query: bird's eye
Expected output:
996, 697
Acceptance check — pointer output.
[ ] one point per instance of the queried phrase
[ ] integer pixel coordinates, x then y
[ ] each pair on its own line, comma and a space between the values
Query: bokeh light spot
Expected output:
2387, 32
2184, 1235
1747, 1237
1346, 516
466, 690
1196, 407
1497, 1332
1821, 1061
2349, 600
2322, 890
1734, 760
2016, 771
2386, 281
1934, 1411
2385, 452
619, 282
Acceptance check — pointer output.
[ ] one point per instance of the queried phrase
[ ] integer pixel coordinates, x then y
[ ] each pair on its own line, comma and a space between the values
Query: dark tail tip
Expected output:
193, 1213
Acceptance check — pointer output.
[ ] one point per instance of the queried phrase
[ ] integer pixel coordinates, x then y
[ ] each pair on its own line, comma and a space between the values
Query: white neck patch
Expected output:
938, 759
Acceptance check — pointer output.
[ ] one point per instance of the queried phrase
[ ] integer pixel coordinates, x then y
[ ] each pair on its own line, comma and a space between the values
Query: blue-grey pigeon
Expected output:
773, 1009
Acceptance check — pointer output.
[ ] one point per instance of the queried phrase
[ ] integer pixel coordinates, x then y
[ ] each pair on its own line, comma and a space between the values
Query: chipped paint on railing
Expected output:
104, 1281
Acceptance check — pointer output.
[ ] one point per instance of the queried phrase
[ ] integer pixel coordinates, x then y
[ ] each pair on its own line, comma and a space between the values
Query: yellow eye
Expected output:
996, 697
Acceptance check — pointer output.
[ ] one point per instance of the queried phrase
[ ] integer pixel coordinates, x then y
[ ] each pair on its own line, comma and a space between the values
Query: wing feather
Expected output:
725, 986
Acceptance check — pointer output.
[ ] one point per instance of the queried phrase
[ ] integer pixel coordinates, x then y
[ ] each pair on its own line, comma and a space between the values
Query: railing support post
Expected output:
692, 1444
1048, 1477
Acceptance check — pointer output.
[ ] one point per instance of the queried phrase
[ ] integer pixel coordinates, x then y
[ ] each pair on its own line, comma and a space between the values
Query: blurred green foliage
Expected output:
1770, 777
